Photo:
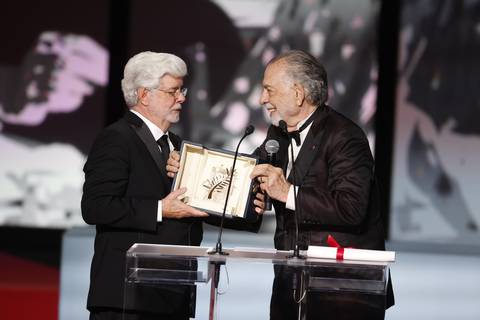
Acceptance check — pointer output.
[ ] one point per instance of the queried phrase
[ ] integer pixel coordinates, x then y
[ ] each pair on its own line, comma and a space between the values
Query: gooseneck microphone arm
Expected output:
218, 247
296, 248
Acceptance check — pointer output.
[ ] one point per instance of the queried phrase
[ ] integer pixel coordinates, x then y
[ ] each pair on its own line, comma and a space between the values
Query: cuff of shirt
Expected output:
291, 198
159, 211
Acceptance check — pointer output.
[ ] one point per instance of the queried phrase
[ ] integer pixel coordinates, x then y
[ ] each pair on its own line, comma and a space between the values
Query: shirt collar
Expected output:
305, 120
156, 131
304, 132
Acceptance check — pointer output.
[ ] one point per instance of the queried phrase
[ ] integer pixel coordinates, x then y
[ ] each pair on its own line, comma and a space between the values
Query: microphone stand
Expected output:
218, 247
298, 279
296, 248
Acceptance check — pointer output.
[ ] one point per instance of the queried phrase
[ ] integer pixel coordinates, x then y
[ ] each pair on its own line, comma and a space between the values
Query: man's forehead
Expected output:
168, 79
275, 67
274, 73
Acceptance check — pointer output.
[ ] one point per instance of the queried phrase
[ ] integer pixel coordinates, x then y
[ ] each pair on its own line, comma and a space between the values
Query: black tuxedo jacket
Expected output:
337, 194
125, 176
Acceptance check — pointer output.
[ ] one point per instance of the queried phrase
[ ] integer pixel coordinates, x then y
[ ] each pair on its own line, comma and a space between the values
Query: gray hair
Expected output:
309, 72
144, 70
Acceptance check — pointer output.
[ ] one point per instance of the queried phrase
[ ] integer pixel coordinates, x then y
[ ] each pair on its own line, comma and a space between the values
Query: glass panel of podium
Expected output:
307, 288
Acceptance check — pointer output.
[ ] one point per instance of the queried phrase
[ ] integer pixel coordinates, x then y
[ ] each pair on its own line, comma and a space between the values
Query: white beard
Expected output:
173, 117
275, 119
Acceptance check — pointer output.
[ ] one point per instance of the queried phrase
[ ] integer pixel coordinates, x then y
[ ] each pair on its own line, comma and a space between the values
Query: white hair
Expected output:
144, 70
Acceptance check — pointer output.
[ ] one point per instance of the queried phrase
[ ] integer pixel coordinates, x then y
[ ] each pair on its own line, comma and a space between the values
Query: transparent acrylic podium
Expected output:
187, 267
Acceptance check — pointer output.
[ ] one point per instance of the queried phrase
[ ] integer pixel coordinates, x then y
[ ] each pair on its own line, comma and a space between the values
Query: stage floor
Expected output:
427, 285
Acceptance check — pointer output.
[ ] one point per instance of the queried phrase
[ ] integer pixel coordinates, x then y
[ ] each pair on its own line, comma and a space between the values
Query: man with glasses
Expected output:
326, 186
126, 191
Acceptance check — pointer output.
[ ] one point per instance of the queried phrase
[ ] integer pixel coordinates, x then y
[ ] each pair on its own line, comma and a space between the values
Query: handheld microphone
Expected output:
296, 250
272, 147
218, 247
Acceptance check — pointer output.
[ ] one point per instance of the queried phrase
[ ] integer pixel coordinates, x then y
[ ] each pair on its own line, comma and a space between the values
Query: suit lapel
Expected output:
146, 136
310, 146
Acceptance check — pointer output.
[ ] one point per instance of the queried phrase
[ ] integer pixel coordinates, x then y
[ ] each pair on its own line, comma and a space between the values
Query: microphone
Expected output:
248, 131
218, 247
272, 147
296, 250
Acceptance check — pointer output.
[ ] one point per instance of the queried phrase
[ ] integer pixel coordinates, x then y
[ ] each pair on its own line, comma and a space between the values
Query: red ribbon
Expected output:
333, 243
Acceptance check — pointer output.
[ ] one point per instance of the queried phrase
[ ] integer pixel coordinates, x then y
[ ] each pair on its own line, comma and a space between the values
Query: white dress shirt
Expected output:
290, 204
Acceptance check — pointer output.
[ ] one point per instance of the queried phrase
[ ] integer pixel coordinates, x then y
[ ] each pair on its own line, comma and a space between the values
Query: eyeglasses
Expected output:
175, 93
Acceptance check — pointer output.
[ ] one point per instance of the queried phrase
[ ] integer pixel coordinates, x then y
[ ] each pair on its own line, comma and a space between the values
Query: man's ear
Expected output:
143, 97
299, 94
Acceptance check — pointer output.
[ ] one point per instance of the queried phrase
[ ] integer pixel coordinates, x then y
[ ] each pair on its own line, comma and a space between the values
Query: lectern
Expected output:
185, 267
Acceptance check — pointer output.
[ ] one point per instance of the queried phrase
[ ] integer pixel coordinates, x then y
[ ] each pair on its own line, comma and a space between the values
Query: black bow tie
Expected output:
295, 135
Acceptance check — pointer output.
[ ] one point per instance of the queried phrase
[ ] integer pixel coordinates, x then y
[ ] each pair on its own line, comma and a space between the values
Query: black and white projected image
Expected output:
41, 183
437, 138
52, 100
341, 34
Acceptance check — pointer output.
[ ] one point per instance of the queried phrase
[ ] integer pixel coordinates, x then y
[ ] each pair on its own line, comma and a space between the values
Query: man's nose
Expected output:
263, 98
181, 98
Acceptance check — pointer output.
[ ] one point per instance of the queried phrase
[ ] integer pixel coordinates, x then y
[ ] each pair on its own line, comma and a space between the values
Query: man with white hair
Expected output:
126, 191
324, 191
